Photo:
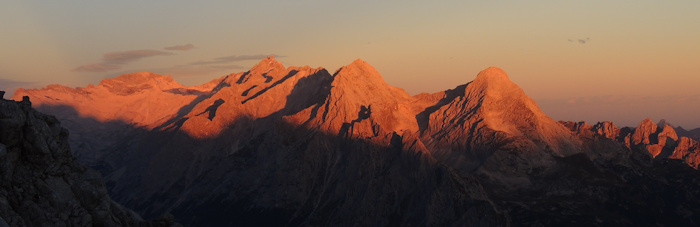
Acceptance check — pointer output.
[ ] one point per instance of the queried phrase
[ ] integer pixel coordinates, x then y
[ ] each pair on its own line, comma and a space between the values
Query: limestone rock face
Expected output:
679, 147
643, 133
475, 126
267, 89
687, 150
660, 140
607, 129
363, 103
578, 127
41, 182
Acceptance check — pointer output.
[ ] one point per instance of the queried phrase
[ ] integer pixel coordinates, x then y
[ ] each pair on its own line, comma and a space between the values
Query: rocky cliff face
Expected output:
687, 150
42, 184
299, 146
607, 129
484, 124
660, 141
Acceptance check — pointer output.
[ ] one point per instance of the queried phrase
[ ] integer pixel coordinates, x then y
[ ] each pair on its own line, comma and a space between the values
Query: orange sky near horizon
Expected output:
571, 57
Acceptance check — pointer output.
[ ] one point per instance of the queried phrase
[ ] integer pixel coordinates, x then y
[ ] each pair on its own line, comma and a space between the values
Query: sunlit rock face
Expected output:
607, 129
302, 146
474, 126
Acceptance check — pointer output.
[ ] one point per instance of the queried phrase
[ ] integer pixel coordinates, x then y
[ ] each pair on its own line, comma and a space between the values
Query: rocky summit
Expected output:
301, 146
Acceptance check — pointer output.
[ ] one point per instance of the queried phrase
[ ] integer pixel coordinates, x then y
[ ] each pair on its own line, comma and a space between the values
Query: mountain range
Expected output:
282, 145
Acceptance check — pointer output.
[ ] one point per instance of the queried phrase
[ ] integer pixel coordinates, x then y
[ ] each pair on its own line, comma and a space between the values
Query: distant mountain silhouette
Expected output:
301, 146
693, 133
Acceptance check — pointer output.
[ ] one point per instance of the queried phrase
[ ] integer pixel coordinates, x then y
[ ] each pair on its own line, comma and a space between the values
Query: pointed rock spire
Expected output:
266, 71
607, 129
359, 84
267, 64
643, 132
667, 133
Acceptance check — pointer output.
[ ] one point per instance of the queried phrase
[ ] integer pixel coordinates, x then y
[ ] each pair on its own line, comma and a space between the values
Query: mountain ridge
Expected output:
311, 148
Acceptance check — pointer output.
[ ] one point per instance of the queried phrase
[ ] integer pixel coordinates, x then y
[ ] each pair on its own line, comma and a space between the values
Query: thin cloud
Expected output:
580, 41
227, 67
96, 67
215, 65
185, 47
114, 60
125, 57
197, 70
234, 58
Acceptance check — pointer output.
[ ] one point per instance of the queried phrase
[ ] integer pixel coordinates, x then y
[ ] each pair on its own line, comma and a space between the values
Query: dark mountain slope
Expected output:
42, 184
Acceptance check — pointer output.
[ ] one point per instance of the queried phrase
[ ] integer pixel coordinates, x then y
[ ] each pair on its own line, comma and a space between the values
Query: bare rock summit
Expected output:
476, 125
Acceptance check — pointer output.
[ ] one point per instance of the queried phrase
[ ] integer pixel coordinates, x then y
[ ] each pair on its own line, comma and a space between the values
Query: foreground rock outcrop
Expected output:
302, 146
42, 184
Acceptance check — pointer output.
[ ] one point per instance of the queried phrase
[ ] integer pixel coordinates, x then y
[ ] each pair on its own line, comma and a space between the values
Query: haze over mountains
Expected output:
301, 146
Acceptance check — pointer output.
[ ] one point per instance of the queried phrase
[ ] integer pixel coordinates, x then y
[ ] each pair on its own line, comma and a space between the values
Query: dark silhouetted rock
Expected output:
41, 183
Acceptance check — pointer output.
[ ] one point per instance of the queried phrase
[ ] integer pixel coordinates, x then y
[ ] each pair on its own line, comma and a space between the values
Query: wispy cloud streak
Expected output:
115, 60
215, 65
185, 47
580, 41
